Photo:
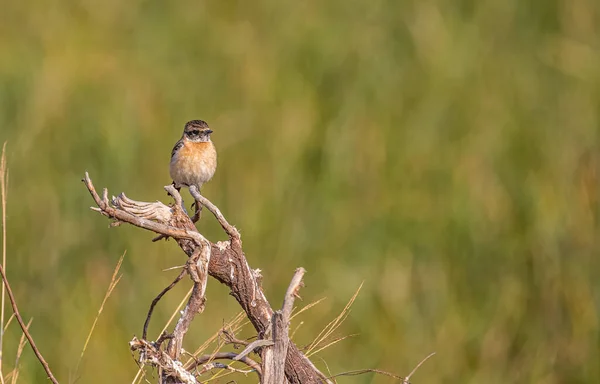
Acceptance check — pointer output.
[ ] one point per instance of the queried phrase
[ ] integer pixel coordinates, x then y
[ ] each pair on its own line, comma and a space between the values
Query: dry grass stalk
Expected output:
3, 185
332, 326
113, 283
10, 319
6, 285
15, 371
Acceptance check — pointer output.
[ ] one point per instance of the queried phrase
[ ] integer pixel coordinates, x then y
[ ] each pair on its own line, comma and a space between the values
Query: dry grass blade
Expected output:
293, 333
333, 325
233, 324
3, 182
328, 370
10, 319
332, 342
307, 307
405, 381
113, 283
380, 372
218, 375
15, 372
363, 371
172, 268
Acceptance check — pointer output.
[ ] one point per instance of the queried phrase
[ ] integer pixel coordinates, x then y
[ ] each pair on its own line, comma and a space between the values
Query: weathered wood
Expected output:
225, 261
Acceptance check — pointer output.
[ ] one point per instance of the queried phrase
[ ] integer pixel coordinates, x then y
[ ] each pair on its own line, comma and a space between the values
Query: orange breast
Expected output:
194, 163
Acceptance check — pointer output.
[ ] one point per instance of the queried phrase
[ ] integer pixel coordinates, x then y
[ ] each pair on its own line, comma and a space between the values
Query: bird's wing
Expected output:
177, 147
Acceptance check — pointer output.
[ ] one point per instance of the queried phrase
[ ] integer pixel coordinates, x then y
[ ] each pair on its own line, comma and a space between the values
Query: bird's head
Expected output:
197, 131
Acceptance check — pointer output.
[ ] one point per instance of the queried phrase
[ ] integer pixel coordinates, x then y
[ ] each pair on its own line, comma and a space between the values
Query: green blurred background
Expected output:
443, 152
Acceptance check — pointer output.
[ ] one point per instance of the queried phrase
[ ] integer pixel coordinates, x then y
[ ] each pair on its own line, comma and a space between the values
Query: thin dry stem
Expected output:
332, 342
363, 371
10, 319
37, 352
3, 181
15, 372
254, 345
405, 381
227, 356
215, 365
233, 324
6, 286
111, 286
157, 299
333, 325
307, 307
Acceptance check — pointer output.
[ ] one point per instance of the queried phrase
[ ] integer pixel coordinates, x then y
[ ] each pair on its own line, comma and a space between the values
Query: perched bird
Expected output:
194, 157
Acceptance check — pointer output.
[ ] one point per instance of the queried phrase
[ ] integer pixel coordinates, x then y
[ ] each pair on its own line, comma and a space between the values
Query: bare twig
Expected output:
214, 365
231, 339
227, 356
252, 346
228, 228
405, 381
157, 299
37, 352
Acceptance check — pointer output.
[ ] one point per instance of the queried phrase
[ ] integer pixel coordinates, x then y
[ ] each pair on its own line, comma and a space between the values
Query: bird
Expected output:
194, 157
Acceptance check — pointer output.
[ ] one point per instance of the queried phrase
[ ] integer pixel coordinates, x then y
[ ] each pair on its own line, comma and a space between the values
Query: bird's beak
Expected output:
209, 131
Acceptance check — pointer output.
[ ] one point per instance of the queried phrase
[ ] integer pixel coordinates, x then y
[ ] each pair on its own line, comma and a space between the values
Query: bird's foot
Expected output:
197, 207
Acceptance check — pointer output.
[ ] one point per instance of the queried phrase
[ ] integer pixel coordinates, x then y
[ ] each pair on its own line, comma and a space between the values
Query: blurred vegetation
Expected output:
444, 152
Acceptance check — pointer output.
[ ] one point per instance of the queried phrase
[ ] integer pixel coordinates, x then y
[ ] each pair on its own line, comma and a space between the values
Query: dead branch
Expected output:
274, 357
224, 260
152, 355
254, 347
229, 229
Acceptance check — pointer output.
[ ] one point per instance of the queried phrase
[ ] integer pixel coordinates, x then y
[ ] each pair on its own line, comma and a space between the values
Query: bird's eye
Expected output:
195, 132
